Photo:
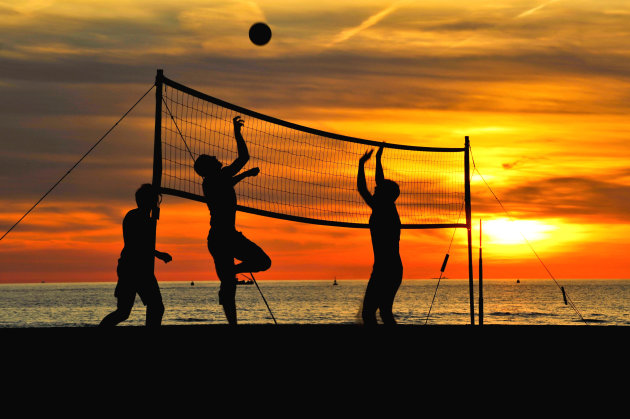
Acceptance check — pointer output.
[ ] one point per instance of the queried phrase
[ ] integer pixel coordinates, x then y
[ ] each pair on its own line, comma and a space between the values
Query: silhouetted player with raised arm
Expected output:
385, 232
135, 266
224, 242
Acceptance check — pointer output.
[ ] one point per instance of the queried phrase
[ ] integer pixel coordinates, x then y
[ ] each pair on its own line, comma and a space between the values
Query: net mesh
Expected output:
305, 174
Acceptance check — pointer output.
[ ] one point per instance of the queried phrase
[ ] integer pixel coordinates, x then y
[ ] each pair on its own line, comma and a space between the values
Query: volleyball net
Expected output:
306, 175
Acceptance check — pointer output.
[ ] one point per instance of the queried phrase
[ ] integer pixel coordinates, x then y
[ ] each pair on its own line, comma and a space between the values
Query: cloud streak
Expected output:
535, 9
577, 198
372, 20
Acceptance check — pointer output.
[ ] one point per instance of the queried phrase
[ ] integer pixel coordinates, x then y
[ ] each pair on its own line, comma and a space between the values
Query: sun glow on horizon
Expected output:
503, 231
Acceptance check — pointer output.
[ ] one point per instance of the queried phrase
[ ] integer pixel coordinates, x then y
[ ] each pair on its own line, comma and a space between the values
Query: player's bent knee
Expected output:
266, 263
263, 263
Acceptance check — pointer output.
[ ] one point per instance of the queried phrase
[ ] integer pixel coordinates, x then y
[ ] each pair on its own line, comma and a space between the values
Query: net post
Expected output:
157, 139
469, 228
480, 277
157, 156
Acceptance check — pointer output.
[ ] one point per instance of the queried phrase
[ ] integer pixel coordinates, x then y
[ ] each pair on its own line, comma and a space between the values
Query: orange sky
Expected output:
541, 88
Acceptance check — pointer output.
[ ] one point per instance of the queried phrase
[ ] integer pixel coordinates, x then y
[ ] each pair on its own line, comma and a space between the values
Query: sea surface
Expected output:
530, 302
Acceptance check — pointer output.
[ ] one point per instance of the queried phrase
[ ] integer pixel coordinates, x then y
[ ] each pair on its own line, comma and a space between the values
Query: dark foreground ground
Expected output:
320, 342
267, 368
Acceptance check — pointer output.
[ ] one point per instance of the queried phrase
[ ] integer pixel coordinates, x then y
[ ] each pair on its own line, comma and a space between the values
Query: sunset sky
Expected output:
541, 87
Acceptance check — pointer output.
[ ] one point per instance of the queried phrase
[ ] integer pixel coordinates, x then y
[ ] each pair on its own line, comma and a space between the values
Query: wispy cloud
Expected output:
535, 9
367, 23
526, 13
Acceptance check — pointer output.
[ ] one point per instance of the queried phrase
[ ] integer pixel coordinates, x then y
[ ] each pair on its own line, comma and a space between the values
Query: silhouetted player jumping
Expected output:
385, 232
135, 266
224, 242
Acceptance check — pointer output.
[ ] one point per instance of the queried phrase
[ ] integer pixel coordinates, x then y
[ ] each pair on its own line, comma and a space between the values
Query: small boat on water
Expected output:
192, 283
244, 282
335, 281
518, 281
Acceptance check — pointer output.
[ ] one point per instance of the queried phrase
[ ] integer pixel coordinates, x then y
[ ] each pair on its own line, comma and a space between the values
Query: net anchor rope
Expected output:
179, 130
76, 164
564, 293
261, 294
448, 251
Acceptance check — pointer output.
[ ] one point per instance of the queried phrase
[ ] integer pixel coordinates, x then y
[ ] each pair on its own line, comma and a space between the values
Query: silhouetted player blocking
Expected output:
385, 232
224, 242
135, 266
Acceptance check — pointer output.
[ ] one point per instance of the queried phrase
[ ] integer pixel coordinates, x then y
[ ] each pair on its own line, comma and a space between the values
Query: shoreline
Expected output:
324, 280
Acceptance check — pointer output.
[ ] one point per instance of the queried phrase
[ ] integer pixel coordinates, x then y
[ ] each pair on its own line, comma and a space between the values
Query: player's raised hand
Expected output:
366, 156
379, 153
238, 123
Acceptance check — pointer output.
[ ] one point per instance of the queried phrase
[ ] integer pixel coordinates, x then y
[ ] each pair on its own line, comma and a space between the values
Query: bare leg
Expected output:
125, 304
115, 317
387, 315
155, 311
227, 298
252, 257
230, 313
224, 266
370, 304
253, 265
387, 301
227, 291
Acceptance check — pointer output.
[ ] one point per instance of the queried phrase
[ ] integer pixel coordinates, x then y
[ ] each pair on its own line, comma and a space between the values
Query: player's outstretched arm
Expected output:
380, 177
361, 185
251, 172
243, 154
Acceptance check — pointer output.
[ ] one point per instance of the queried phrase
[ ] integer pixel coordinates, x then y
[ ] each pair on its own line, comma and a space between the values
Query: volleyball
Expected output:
260, 33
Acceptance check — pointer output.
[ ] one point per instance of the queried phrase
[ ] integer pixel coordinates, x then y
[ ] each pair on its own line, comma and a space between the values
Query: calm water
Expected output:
601, 302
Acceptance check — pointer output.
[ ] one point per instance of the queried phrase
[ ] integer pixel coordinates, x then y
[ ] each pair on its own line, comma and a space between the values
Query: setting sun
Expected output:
503, 231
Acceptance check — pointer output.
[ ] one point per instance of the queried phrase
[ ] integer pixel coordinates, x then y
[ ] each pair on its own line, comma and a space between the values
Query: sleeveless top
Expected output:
385, 233
221, 200
137, 234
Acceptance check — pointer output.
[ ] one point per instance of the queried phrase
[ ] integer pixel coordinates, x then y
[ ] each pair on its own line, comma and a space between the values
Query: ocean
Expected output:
506, 302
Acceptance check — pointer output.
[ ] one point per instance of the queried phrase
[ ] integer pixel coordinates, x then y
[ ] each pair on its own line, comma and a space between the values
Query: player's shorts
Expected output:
134, 280
385, 280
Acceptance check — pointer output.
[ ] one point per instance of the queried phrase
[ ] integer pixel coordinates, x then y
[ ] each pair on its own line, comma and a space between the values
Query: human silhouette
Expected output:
385, 233
135, 266
224, 242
